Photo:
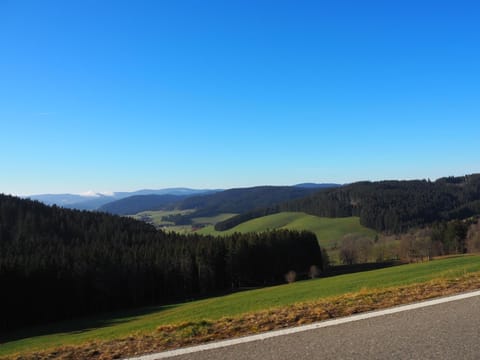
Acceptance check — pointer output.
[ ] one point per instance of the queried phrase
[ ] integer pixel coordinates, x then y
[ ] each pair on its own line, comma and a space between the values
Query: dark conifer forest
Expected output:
212, 202
57, 263
388, 206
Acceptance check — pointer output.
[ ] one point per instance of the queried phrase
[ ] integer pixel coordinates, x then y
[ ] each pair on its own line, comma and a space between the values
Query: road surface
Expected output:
445, 331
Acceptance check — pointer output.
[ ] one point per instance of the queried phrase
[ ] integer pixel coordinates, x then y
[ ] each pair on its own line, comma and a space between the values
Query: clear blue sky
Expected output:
123, 95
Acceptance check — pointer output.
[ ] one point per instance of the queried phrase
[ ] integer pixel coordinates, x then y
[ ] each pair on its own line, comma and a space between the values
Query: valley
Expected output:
176, 173
187, 266
329, 231
246, 312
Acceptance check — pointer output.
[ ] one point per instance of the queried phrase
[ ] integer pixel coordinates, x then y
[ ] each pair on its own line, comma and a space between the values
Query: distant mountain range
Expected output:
389, 206
211, 200
94, 201
137, 203
243, 199
317, 186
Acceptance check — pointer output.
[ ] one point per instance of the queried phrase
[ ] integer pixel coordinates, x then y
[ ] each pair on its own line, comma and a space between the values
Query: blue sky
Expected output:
124, 95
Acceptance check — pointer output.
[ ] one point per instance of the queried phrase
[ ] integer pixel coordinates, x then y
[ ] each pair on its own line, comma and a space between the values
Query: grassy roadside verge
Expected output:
254, 311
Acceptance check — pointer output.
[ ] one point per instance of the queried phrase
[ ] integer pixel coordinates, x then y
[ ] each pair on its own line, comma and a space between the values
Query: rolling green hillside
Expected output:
243, 199
156, 218
212, 219
138, 203
148, 319
79, 263
387, 206
329, 231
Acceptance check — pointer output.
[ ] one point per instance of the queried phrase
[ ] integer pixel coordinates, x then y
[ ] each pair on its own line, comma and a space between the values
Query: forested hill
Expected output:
213, 202
392, 206
57, 263
243, 199
135, 204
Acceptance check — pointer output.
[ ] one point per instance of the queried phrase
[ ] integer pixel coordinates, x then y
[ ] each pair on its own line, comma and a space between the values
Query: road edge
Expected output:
297, 329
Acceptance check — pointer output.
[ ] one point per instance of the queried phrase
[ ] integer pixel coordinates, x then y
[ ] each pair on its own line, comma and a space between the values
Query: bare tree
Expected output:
325, 259
314, 271
291, 276
349, 250
473, 238
380, 249
365, 249
416, 246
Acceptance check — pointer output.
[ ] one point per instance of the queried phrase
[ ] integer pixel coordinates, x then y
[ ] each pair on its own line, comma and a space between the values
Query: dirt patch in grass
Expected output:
168, 337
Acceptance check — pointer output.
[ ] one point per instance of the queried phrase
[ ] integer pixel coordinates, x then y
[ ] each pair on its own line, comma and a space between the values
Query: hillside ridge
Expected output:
389, 205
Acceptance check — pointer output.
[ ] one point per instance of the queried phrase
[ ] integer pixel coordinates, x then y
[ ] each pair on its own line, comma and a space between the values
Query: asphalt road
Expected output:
445, 331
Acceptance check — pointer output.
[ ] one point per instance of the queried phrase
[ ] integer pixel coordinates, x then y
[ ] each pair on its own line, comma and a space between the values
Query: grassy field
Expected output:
329, 231
156, 216
148, 319
212, 219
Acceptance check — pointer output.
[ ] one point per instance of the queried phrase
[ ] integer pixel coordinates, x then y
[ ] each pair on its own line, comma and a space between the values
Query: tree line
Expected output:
387, 206
57, 263
417, 244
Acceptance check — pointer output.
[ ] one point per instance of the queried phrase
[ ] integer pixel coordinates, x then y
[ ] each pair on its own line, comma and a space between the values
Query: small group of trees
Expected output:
450, 237
418, 244
442, 238
355, 249
473, 238
313, 272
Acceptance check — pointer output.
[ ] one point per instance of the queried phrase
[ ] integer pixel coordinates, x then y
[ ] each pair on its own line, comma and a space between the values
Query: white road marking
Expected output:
293, 330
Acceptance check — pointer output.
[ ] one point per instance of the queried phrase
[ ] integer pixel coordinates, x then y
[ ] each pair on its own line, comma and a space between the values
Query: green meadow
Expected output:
329, 231
212, 219
156, 217
122, 324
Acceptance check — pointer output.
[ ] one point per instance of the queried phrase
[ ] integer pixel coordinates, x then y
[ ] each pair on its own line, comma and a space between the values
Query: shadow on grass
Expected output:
81, 325
355, 268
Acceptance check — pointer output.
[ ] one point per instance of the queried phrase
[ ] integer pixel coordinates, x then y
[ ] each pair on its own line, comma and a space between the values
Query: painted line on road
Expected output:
293, 330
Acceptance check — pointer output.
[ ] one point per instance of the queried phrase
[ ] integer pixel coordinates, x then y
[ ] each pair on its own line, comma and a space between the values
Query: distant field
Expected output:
155, 217
212, 219
329, 231
148, 319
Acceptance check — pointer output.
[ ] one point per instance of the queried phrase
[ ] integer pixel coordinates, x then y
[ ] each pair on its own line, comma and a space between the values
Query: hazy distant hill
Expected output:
243, 199
211, 202
66, 199
238, 200
138, 203
317, 186
93, 201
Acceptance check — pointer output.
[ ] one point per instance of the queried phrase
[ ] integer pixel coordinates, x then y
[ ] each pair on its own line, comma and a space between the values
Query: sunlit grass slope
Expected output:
157, 216
212, 219
148, 319
328, 230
